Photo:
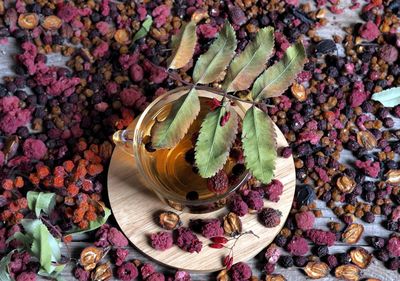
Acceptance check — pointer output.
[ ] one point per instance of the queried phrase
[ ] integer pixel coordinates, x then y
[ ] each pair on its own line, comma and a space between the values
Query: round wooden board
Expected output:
134, 205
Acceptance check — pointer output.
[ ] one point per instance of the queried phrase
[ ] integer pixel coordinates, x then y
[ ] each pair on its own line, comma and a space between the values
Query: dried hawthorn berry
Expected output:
219, 183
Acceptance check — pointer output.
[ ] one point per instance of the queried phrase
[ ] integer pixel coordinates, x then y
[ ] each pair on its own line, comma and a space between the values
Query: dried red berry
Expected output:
216, 245
219, 183
219, 239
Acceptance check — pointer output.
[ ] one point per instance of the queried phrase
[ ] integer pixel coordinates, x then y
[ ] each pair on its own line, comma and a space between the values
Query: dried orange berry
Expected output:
42, 171
72, 189
95, 169
28, 20
90, 256
82, 145
67, 238
90, 216
58, 182
19, 182
34, 179
52, 22
7, 184
83, 224
122, 36
68, 166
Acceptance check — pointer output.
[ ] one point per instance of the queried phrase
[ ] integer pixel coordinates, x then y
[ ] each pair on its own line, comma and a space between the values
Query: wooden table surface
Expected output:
376, 269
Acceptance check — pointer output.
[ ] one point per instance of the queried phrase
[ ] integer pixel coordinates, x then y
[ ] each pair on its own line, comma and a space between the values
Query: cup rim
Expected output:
241, 180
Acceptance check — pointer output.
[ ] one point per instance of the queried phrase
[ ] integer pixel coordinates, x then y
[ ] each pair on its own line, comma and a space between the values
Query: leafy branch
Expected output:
220, 125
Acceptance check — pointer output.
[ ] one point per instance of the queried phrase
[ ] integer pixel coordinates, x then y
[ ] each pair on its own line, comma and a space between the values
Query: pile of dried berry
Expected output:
56, 122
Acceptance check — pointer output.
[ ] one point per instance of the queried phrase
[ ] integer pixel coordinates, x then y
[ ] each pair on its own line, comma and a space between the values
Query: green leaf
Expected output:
38, 201
389, 97
183, 46
210, 64
94, 224
276, 79
214, 141
184, 111
4, 262
251, 62
259, 144
144, 29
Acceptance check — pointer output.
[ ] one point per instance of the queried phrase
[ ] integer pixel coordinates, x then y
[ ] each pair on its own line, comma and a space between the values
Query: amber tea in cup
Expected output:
171, 173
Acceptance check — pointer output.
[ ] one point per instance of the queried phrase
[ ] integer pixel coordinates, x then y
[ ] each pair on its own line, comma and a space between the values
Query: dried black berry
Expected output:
325, 47
321, 251
286, 261
382, 255
280, 240
300, 261
305, 195
377, 242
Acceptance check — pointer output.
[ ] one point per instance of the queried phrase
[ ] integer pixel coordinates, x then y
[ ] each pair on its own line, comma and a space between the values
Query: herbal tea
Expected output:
174, 168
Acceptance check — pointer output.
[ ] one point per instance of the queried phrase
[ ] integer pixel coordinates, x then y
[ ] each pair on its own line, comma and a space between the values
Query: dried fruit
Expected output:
52, 22
10, 147
348, 272
122, 36
366, 139
28, 21
275, 277
353, 233
223, 275
199, 15
360, 257
299, 92
90, 256
345, 184
316, 270
232, 224
169, 220
102, 272
219, 183
393, 176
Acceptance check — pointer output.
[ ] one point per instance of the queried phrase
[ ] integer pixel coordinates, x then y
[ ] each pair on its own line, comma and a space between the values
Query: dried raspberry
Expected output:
116, 238
270, 217
254, 200
187, 240
212, 228
160, 15
369, 31
321, 237
81, 274
182, 276
130, 96
369, 167
272, 254
273, 190
207, 30
269, 268
305, 220
297, 246
146, 270
388, 53
127, 272
219, 183
238, 206
26, 276
240, 271
156, 276
161, 241
393, 246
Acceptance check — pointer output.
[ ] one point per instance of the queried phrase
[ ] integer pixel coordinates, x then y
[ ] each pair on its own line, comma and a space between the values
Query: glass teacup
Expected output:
171, 173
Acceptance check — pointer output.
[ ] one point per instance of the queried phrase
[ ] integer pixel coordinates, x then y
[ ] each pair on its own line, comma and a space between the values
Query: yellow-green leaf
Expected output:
211, 64
251, 62
276, 79
183, 45
184, 111
389, 97
142, 32
259, 144
214, 141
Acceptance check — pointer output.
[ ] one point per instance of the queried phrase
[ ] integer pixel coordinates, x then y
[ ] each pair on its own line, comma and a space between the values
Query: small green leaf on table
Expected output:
277, 78
389, 97
41, 201
212, 63
183, 45
4, 271
251, 62
144, 29
259, 144
215, 141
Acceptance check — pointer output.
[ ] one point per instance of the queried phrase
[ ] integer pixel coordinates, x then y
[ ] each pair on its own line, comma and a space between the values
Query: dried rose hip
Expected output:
353, 233
102, 272
232, 224
90, 256
28, 21
360, 257
52, 22
122, 36
219, 183
169, 220
348, 272
275, 277
316, 270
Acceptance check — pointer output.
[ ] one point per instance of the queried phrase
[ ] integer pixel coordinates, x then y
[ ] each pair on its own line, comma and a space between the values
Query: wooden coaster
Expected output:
134, 205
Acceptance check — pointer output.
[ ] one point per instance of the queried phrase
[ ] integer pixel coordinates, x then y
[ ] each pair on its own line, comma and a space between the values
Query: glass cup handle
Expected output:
124, 139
